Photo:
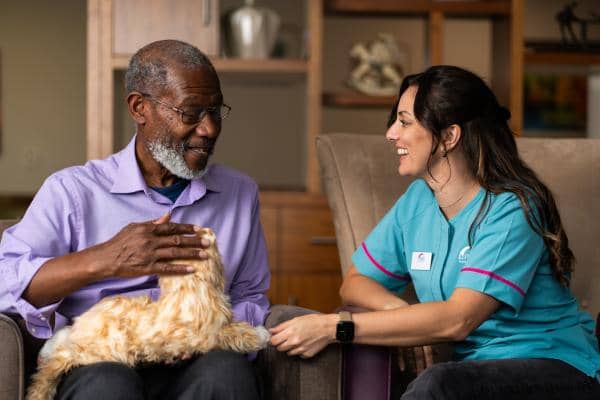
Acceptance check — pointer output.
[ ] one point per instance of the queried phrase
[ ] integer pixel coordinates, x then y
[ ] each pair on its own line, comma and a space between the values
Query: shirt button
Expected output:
43, 318
33, 330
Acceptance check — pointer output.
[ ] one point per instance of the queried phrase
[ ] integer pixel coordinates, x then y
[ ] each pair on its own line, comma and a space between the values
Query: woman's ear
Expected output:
137, 107
451, 138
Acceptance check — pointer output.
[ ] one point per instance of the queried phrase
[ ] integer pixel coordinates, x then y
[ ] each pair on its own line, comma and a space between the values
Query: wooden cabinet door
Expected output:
316, 291
139, 22
308, 241
304, 260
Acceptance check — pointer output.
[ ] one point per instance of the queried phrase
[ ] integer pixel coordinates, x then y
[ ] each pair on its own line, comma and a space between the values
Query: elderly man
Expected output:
110, 226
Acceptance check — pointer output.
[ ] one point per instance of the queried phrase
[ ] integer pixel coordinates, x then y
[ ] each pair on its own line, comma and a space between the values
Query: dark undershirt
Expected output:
172, 192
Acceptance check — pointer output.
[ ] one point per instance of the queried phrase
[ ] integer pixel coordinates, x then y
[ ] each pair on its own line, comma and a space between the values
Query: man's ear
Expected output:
137, 107
452, 136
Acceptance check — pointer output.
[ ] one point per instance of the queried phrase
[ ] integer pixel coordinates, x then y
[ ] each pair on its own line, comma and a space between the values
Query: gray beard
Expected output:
172, 159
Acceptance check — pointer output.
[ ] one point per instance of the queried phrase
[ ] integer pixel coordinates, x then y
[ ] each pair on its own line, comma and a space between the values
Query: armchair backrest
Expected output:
360, 176
571, 169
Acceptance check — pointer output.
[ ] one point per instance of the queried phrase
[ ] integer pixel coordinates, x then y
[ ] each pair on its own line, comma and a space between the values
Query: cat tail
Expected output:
50, 370
243, 338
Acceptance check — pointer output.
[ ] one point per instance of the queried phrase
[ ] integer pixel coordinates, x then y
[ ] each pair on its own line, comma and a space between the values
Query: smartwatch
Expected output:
344, 332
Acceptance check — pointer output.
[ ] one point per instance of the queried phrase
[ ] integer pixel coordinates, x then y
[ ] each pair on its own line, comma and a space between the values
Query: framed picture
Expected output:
555, 102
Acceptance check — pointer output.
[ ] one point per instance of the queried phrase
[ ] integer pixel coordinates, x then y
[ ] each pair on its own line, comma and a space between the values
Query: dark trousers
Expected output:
513, 379
215, 375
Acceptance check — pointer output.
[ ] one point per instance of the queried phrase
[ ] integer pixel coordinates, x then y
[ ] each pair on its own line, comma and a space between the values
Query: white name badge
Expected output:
421, 260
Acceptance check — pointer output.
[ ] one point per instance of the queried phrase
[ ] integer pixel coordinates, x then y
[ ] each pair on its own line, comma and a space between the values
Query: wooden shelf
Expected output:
291, 198
412, 7
351, 100
280, 66
271, 66
562, 58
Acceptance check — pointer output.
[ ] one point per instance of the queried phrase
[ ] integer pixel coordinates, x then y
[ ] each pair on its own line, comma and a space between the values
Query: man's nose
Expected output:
208, 126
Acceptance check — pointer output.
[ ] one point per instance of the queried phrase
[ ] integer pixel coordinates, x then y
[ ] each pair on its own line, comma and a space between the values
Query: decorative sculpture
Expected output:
566, 19
379, 66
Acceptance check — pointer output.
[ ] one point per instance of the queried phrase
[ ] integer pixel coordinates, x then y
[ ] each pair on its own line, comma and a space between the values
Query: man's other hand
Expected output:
146, 248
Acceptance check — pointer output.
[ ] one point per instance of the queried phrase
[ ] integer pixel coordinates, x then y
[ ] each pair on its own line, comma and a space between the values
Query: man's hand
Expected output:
146, 248
138, 249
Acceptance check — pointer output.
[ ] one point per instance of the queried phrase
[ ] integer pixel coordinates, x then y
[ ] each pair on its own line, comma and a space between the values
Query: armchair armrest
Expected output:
294, 378
12, 379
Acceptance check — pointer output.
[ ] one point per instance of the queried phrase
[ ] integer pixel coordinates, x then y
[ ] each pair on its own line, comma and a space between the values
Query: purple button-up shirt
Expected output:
82, 206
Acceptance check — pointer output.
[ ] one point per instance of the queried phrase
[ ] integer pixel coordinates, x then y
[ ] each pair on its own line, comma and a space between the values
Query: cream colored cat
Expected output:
192, 316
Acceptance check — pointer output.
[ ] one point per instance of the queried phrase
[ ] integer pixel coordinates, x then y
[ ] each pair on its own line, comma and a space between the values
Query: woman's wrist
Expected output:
331, 321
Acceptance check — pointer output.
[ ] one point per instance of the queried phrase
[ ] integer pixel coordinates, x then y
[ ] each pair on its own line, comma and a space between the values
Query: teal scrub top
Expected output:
538, 317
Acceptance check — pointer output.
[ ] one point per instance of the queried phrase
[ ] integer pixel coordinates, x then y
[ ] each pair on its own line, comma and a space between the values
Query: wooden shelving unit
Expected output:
298, 226
418, 7
272, 66
357, 100
105, 31
562, 58
507, 28
115, 28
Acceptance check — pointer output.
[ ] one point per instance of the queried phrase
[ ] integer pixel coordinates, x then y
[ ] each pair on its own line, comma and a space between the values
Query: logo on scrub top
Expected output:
421, 260
464, 254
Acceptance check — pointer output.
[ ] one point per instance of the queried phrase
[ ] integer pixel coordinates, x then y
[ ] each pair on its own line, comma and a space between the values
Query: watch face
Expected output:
345, 331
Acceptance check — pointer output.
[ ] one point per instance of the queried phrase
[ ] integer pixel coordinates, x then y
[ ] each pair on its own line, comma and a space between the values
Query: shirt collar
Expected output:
128, 177
208, 181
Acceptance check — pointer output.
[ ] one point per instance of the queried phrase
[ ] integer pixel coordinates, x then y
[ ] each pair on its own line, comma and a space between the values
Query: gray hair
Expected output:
148, 68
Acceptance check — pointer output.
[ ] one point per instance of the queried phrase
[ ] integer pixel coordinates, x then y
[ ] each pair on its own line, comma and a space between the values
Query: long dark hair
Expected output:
448, 95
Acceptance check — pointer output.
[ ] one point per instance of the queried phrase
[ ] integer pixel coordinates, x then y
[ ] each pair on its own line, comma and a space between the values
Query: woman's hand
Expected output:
305, 336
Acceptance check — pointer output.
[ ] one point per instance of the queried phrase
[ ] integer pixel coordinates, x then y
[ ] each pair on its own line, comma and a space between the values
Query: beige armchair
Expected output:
359, 173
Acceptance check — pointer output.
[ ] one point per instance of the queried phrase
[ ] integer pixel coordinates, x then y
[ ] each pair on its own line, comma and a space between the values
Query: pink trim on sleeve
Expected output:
494, 276
381, 267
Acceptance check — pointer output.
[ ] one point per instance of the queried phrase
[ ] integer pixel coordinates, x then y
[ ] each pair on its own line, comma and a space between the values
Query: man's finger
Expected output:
204, 242
172, 228
163, 220
180, 241
170, 269
174, 253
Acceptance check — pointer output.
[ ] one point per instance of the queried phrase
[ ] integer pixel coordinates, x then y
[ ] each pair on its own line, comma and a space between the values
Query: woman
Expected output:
481, 240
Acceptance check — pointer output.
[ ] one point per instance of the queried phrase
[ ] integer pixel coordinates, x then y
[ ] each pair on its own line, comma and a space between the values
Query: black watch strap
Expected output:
345, 316
345, 328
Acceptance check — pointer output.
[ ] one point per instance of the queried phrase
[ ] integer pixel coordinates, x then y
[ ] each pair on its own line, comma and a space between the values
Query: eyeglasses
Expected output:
217, 113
